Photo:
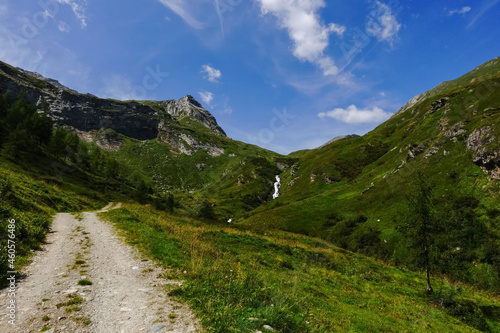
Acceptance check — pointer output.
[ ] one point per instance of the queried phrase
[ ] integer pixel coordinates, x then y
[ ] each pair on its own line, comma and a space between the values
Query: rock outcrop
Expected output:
486, 157
187, 106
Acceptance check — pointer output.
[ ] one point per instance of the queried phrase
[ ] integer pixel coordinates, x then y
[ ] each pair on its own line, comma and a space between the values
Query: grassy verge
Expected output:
239, 280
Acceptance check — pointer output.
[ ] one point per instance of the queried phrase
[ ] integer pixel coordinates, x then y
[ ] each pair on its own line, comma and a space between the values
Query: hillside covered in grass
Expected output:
354, 192
238, 280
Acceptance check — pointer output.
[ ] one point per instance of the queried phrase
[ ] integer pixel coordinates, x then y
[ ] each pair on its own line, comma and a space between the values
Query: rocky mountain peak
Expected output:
188, 99
188, 106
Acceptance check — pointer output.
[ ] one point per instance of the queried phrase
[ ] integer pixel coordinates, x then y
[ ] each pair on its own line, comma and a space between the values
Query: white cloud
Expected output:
353, 115
485, 8
78, 7
309, 34
382, 23
227, 108
213, 75
121, 88
206, 97
63, 27
462, 11
221, 19
47, 14
179, 7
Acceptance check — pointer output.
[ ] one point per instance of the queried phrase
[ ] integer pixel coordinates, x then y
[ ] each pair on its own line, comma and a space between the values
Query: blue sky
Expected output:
286, 75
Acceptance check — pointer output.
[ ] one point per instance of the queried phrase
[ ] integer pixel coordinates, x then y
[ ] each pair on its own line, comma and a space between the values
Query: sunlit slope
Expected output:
352, 191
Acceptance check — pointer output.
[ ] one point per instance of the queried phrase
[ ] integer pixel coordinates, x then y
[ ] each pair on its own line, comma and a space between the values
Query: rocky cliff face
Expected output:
189, 107
88, 115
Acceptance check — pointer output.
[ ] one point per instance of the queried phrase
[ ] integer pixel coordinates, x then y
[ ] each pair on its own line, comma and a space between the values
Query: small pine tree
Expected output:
141, 194
422, 227
207, 211
56, 143
170, 205
166, 203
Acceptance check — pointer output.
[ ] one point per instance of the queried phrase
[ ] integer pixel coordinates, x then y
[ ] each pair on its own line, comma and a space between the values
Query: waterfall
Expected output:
277, 186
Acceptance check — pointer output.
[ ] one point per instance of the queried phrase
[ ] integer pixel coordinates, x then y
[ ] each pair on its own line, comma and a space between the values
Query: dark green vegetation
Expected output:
238, 280
419, 193
84, 282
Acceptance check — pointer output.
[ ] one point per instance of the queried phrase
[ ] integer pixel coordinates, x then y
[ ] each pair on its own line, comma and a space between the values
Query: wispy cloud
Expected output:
221, 20
461, 11
63, 27
483, 10
212, 74
353, 115
15, 50
78, 7
227, 108
382, 23
180, 7
207, 97
3, 9
122, 88
309, 34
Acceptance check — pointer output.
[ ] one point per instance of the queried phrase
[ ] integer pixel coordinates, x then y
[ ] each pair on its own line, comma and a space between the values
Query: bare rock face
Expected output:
187, 106
109, 140
486, 158
415, 150
479, 138
185, 143
454, 132
438, 104
87, 113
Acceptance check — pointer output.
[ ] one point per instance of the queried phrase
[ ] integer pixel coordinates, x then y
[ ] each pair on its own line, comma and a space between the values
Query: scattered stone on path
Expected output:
156, 328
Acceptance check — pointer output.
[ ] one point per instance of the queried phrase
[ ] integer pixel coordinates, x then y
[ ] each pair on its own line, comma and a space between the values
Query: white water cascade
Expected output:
277, 186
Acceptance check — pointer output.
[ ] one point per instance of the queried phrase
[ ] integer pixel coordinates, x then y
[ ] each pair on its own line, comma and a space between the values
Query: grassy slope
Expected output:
239, 280
357, 163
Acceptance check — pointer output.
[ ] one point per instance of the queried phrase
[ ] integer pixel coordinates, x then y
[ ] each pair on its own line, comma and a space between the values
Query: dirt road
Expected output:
86, 279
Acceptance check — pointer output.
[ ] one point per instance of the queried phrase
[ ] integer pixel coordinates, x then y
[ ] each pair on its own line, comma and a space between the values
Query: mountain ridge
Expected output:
87, 114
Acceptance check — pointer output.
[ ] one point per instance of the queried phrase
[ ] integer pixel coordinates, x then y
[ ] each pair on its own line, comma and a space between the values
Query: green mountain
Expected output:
429, 175
353, 191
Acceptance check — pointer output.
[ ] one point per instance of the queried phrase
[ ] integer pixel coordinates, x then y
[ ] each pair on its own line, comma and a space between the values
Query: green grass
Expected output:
83, 320
72, 308
238, 280
74, 299
84, 282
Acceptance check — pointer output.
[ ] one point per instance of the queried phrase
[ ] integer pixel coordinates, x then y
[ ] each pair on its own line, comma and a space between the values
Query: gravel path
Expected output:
86, 279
